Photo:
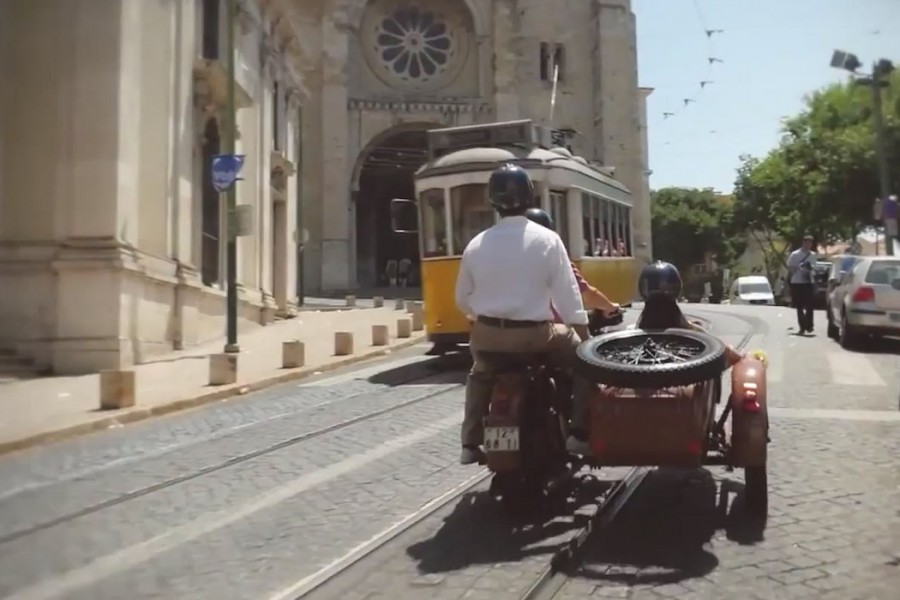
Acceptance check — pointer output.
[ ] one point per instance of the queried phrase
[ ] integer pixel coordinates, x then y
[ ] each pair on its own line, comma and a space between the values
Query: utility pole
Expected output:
230, 133
878, 80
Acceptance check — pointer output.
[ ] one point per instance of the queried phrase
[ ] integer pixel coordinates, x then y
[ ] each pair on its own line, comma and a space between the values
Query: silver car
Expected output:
866, 301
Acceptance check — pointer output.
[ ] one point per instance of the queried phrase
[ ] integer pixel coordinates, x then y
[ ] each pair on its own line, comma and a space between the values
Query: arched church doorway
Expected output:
387, 172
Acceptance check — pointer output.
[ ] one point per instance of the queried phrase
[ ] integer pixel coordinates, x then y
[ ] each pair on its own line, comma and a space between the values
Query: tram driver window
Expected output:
434, 223
472, 213
560, 216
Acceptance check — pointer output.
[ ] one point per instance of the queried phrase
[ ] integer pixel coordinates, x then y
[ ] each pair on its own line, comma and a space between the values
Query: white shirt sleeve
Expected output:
465, 285
793, 260
564, 288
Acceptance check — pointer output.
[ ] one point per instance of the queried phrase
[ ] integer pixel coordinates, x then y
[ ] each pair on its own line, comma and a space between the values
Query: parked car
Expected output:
865, 302
752, 289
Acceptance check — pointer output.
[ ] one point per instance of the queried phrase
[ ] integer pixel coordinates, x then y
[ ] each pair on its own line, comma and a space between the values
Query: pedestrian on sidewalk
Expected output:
801, 276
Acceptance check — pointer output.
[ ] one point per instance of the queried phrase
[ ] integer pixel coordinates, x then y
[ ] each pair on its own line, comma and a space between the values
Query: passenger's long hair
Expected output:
661, 312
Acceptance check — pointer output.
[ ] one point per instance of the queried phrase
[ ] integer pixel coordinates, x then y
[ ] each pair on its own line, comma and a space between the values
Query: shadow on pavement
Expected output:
454, 366
663, 533
478, 532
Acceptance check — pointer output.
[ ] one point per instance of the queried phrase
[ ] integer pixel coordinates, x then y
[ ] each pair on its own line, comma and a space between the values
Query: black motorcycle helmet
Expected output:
540, 216
659, 279
510, 188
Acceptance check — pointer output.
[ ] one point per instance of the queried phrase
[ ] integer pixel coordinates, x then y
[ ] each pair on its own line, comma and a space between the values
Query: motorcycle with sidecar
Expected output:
655, 401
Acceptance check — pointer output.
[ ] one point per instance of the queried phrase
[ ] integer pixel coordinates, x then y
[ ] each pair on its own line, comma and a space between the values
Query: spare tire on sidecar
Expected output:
638, 358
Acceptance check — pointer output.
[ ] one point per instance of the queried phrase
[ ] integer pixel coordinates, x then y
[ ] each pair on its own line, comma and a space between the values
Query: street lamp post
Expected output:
231, 300
877, 81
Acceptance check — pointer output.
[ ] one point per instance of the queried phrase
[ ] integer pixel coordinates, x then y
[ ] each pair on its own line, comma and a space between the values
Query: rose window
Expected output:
414, 43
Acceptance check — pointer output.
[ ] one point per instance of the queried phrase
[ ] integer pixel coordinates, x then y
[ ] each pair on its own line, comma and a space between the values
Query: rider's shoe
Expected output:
471, 455
577, 446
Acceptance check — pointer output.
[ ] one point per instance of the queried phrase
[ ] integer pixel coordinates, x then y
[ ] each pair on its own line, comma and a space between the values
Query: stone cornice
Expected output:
442, 106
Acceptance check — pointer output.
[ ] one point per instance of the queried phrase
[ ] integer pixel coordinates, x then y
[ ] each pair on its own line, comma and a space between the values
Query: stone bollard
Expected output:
223, 369
351, 300
399, 305
343, 343
293, 354
378, 301
380, 335
418, 316
116, 389
404, 328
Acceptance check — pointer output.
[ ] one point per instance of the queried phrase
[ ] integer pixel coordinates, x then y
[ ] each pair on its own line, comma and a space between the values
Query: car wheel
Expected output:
847, 337
832, 329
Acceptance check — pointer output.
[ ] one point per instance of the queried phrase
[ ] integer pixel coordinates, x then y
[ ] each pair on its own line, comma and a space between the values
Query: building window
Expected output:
211, 22
552, 56
414, 43
276, 117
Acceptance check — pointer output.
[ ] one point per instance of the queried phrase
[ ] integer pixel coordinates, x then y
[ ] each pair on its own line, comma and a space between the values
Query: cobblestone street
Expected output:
260, 498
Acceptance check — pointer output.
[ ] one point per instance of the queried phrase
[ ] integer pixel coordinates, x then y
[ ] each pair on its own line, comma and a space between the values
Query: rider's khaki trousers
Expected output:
558, 340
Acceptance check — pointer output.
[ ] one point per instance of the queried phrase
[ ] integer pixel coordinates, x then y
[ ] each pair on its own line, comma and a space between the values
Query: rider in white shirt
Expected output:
508, 277
801, 275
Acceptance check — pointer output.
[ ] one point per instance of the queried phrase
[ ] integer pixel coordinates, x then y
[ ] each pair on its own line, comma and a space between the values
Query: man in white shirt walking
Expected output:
801, 276
508, 277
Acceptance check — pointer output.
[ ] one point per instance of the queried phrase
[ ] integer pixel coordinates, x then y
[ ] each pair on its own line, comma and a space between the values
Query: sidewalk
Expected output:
39, 410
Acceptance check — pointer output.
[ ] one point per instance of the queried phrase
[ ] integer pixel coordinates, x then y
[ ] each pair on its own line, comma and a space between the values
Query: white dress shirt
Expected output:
514, 270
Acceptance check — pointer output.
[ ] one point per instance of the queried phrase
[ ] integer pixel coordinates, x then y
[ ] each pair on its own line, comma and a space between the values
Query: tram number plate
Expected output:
501, 439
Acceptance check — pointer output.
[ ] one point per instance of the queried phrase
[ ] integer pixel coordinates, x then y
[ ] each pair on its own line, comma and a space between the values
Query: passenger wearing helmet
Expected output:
509, 277
593, 298
660, 286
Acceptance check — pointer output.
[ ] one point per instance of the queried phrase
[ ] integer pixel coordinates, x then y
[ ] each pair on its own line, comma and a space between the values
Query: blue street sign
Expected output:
225, 170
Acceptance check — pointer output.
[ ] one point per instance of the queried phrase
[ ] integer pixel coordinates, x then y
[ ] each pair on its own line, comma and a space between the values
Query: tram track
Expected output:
247, 456
561, 564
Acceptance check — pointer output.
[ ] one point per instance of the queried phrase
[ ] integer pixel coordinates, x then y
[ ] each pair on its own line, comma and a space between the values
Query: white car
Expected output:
752, 289
866, 301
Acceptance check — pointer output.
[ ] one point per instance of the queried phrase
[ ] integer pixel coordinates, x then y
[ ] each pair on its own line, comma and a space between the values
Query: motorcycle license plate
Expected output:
895, 317
501, 439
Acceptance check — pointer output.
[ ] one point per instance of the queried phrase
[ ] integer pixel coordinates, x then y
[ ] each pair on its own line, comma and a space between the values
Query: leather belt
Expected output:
510, 323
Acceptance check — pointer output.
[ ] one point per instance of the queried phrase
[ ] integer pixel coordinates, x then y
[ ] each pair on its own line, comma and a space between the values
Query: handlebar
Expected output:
597, 320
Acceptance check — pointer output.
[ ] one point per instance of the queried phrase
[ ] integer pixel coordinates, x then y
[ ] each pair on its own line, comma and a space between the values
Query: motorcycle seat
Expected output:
515, 360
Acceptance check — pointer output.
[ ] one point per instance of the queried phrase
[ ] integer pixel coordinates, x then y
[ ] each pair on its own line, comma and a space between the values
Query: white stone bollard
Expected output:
378, 301
399, 305
223, 369
117, 389
351, 301
293, 354
343, 343
404, 328
380, 335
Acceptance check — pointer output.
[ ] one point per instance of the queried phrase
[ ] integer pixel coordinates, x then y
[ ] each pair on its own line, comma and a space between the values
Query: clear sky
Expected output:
773, 53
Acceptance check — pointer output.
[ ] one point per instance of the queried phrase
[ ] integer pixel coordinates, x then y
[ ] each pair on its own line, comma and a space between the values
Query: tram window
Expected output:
587, 209
472, 213
434, 223
560, 215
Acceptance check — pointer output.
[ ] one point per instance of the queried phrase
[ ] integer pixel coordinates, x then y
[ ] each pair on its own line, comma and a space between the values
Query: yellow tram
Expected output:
590, 208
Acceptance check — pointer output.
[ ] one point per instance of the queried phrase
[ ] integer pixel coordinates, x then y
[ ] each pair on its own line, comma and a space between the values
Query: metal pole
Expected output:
301, 242
880, 149
230, 131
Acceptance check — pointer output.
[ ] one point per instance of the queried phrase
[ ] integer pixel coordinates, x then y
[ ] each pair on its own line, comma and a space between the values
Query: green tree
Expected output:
822, 177
688, 223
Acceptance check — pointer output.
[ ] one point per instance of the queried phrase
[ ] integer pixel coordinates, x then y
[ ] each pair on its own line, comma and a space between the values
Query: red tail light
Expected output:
864, 294
597, 446
694, 448
750, 403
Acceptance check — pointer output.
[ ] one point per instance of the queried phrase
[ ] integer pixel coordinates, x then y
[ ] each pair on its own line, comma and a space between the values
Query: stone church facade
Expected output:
111, 236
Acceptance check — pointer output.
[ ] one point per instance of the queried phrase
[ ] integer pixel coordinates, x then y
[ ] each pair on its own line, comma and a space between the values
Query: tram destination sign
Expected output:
450, 139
